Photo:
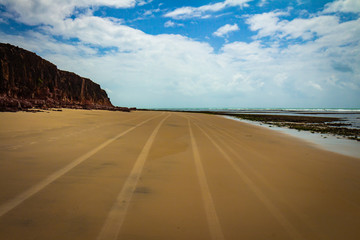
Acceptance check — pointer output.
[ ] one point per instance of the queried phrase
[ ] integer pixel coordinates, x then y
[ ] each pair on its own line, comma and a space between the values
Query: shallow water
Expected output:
324, 141
350, 117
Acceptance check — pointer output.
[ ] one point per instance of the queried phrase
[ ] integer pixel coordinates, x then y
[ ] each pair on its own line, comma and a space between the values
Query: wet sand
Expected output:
80, 174
328, 142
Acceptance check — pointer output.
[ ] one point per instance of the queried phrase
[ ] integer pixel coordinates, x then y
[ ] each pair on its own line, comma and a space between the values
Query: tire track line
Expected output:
302, 217
117, 214
211, 215
291, 230
13, 203
250, 149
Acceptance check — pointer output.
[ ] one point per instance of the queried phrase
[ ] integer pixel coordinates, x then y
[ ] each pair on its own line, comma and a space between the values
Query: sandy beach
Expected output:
80, 174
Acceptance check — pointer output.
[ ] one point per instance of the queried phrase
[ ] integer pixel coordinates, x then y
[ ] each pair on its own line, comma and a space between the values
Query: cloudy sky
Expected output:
199, 53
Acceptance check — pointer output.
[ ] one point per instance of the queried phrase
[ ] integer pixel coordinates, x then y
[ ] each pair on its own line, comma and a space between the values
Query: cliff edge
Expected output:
28, 81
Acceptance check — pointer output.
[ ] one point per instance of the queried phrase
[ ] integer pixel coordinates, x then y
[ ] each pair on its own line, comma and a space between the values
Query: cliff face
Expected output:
27, 80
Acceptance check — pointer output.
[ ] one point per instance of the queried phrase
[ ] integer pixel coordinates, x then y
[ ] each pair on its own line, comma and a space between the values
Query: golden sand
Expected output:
80, 174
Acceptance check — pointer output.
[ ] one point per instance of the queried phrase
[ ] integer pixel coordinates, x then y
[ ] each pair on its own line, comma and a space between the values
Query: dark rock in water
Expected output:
28, 81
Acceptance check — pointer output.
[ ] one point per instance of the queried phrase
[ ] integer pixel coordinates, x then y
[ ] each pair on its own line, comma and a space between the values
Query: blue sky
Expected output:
182, 53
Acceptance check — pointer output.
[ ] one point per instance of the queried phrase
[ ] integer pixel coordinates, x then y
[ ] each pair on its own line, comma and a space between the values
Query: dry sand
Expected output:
151, 175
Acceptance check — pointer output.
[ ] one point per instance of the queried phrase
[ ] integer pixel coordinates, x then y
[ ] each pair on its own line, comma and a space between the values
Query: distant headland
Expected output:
28, 81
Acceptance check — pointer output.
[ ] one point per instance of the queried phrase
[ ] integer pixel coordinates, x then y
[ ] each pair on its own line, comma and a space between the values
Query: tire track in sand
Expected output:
291, 230
13, 203
243, 145
266, 183
211, 215
116, 216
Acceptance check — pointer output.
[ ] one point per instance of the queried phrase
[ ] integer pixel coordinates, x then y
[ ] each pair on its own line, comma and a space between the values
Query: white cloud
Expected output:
249, 52
315, 85
172, 24
167, 70
262, 3
94, 30
226, 29
143, 2
198, 12
343, 6
280, 79
35, 12
184, 13
244, 83
169, 24
270, 25
326, 62
151, 12
266, 23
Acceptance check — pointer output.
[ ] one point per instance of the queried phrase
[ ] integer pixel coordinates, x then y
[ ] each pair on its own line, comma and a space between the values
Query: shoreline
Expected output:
325, 141
328, 133
319, 124
300, 121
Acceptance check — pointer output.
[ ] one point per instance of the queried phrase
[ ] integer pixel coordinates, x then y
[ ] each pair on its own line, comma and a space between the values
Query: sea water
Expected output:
327, 142
349, 116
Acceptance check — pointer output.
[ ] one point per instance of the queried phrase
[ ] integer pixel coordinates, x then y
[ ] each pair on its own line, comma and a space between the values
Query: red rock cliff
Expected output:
27, 80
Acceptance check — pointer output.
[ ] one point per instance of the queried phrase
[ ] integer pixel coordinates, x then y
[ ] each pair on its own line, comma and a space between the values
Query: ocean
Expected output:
350, 116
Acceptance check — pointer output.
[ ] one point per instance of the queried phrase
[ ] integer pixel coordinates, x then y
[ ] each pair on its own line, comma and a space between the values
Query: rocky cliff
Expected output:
28, 81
